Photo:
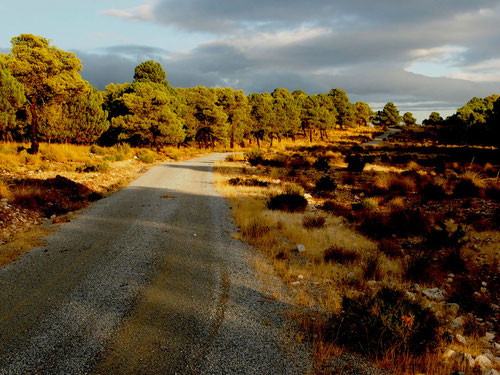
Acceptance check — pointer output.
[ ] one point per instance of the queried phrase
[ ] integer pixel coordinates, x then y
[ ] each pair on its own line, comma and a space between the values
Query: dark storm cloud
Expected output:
365, 47
231, 15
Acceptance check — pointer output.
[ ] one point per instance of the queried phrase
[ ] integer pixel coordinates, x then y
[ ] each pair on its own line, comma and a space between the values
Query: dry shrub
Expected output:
340, 208
247, 182
146, 156
371, 267
325, 184
469, 184
5, 192
313, 222
390, 248
397, 203
383, 322
393, 183
339, 254
432, 188
289, 202
355, 163
321, 164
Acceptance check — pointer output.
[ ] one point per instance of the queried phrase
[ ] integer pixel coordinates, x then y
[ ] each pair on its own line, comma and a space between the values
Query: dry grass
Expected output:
338, 260
28, 240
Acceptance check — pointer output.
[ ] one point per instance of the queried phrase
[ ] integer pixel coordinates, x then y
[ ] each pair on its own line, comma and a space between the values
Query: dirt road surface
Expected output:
147, 281
381, 138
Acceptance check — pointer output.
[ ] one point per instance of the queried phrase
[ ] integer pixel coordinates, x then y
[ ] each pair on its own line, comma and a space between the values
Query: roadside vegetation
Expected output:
388, 251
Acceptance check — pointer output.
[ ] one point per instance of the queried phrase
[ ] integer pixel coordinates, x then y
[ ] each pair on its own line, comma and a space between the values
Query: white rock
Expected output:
296, 283
434, 293
301, 248
491, 372
300, 277
450, 354
462, 340
490, 336
484, 283
307, 196
483, 362
469, 360
372, 284
451, 275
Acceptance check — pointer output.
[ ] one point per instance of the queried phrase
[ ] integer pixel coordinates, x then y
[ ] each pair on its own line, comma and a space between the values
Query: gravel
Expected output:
138, 283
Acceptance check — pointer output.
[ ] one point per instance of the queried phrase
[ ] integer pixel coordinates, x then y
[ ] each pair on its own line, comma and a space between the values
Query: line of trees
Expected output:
43, 97
477, 122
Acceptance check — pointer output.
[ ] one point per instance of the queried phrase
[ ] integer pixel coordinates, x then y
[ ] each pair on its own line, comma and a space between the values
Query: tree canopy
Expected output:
49, 76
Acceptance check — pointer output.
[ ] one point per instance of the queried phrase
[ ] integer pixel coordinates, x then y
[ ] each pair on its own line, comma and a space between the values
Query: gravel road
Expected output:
381, 138
147, 281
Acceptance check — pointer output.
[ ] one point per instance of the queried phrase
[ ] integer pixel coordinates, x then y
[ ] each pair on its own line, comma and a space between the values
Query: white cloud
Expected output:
142, 13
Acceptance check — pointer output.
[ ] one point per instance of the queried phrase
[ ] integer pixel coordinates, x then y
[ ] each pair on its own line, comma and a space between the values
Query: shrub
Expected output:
433, 189
394, 183
338, 208
123, 148
94, 167
101, 151
384, 322
371, 267
256, 229
254, 157
321, 164
290, 202
313, 222
340, 255
469, 184
145, 156
390, 248
325, 183
356, 163
247, 182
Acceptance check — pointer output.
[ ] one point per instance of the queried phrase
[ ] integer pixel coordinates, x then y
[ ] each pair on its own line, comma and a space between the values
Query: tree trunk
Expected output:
258, 142
310, 134
35, 144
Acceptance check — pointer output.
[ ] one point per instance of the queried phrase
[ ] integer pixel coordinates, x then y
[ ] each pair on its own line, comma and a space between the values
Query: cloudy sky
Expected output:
424, 55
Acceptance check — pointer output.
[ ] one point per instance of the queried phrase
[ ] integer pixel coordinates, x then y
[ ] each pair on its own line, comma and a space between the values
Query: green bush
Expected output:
384, 322
145, 156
